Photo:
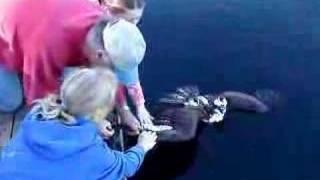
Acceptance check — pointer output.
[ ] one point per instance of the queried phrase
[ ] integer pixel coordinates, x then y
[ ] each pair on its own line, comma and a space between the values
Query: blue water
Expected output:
243, 45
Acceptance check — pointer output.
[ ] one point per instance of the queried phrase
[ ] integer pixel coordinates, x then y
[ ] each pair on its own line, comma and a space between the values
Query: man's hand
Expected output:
129, 120
144, 115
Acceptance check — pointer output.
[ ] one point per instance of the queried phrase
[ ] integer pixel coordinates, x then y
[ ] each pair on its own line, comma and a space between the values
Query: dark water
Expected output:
243, 45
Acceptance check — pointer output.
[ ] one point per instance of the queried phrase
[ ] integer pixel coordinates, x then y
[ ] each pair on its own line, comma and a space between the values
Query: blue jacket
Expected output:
51, 150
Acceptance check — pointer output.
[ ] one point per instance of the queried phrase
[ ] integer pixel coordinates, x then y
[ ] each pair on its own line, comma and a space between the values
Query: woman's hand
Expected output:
147, 140
105, 128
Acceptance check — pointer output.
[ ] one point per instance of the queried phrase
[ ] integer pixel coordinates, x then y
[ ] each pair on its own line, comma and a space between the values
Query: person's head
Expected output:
125, 47
86, 93
130, 10
117, 44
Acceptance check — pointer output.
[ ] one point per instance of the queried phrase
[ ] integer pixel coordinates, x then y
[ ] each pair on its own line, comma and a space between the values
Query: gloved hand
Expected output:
144, 115
147, 140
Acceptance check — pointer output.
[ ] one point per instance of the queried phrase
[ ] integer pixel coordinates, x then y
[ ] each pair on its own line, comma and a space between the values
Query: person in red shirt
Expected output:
40, 38
129, 80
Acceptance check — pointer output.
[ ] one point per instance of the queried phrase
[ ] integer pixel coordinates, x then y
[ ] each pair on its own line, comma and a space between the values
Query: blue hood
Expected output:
54, 140
59, 148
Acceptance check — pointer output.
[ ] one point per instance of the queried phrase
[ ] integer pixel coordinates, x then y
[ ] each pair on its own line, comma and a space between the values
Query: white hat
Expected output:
126, 47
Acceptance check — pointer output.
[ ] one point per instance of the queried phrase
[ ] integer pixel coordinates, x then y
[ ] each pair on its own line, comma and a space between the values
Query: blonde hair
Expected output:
81, 94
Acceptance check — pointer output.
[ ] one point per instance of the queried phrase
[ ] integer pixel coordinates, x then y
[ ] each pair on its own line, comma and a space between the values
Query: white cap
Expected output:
126, 47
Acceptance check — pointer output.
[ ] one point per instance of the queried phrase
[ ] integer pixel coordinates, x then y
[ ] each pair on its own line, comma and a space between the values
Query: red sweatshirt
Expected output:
38, 38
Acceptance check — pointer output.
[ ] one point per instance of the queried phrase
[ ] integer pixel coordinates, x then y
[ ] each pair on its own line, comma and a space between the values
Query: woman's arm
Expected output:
126, 164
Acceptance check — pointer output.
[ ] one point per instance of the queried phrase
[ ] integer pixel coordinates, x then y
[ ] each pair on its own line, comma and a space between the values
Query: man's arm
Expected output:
136, 93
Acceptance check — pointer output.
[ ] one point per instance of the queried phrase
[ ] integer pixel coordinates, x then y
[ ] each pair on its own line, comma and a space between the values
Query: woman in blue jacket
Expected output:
63, 139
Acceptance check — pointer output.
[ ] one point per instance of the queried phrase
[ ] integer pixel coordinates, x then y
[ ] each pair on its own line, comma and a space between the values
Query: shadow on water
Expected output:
181, 155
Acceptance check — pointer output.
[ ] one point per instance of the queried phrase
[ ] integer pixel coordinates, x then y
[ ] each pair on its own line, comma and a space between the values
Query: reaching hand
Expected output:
144, 115
130, 121
147, 140
105, 129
